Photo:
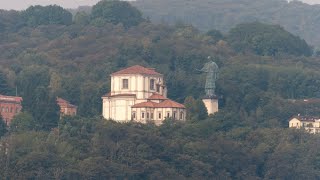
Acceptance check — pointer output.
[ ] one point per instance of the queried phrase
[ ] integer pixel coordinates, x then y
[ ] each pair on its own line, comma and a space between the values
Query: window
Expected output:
142, 115
181, 115
133, 115
174, 115
11, 110
152, 84
168, 114
147, 115
151, 115
159, 115
7, 109
158, 88
125, 83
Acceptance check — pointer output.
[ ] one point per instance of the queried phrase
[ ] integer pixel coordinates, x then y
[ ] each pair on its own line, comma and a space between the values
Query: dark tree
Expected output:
46, 15
264, 39
116, 12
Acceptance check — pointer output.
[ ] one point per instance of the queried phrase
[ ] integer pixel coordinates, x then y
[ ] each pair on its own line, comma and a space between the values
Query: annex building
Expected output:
9, 107
139, 94
66, 108
309, 123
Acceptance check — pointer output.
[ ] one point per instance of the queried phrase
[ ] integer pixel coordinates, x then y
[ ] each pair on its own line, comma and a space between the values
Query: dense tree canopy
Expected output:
265, 39
115, 11
247, 139
45, 15
298, 18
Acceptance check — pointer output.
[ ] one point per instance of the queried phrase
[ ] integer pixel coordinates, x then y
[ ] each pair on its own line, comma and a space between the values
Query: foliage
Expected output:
46, 15
3, 127
296, 17
23, 122
247, 139
196, 110
265, 39
116, 12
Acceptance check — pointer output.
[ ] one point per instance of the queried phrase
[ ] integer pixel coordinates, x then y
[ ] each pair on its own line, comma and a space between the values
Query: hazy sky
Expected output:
23, 4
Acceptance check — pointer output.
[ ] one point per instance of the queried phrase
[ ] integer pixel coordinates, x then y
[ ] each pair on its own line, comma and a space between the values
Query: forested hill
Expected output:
45, 52
296, 17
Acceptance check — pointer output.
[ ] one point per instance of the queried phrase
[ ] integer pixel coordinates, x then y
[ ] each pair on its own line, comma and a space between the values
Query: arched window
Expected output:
181, 115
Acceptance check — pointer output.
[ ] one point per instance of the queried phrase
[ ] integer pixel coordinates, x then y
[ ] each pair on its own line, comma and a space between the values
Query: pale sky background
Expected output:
23, 4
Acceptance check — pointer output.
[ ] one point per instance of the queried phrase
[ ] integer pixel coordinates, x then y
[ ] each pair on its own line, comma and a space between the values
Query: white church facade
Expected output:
139, 94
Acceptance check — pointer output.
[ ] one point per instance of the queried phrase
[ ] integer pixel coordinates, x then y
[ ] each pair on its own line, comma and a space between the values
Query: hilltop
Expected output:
264, 69
298, 18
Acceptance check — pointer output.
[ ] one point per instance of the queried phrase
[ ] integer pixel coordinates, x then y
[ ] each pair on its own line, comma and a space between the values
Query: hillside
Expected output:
297, 17
46, 53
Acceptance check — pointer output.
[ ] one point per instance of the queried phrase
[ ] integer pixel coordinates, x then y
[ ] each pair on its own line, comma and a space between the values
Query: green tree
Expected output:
23, 122
46, 15
264, 39
196, 110
81, 18
3, 127
116, 12
4, 87
33, 83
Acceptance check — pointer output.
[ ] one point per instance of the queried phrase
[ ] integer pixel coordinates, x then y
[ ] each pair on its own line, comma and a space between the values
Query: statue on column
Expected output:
212, 70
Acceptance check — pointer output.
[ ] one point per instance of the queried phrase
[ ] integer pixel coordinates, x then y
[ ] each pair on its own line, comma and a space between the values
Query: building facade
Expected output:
139, 94
66, 108
9, 107
310, 124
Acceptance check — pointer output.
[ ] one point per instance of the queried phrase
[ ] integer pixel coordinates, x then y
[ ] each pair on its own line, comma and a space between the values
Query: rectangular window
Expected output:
152, 81
174, 115
147, 115
158, 88
168, 114
142, 115
125, 83
133, 115
159, 115
151, 115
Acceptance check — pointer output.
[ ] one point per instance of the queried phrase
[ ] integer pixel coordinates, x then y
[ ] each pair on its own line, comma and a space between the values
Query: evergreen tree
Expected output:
3, 127
4, 88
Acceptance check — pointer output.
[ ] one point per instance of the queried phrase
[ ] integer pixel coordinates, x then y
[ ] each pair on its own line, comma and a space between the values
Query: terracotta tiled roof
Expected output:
170, 104
164, 104
11, 98
146, 104
156, 96
137, 69
117, 95
64, 103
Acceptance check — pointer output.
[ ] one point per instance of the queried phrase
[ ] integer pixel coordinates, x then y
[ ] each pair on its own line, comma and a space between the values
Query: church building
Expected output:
139, 94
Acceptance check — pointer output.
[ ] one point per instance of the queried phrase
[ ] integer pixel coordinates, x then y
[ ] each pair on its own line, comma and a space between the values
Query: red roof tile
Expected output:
117, 95
165, 104
170, 104
64, 103
137, 69
156, 96
146, 104
10, 98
